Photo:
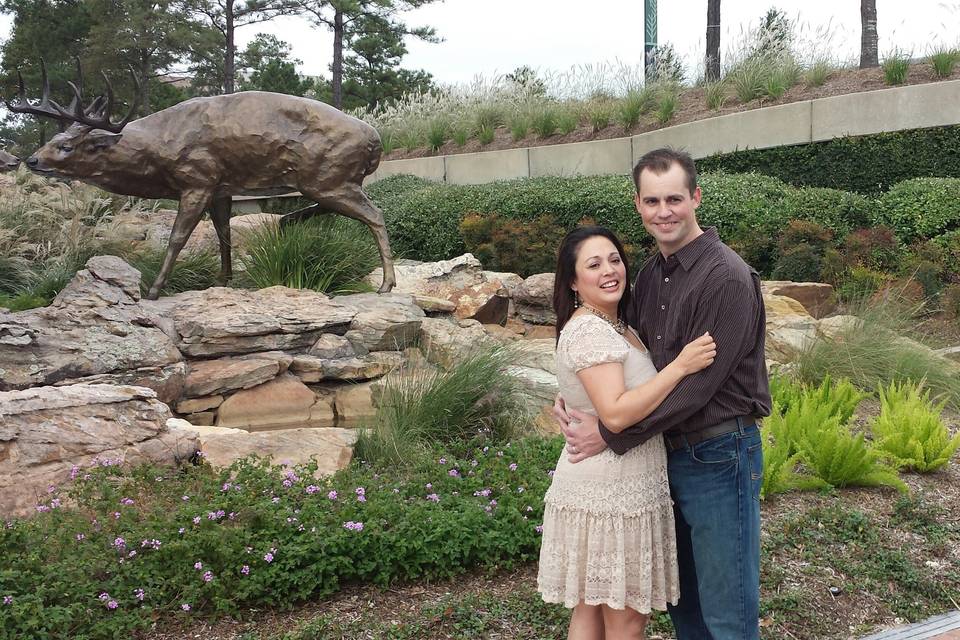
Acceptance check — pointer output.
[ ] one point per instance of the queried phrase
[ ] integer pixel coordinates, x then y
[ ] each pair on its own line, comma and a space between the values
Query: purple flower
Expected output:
520, 489
443, 461
538, 528
353, 526
185, 498
196, 520
112, 604
361, 498
42, 507
55, 503
198, 565
513, 466
474, 463
288, 483
81, 537
104, 596
181, 530
485, 449
139, 594
274, 499
493, 503
207, 576
226, 486
153, 544
429, 485
312, 488
361, 494
550, 473
483, 493
116, 515
126, 501
119, 543
245, 570
74, 472
132, 553
528, 509
7, 599
453, 473
268, 557
433, 497
185, 606
332, 495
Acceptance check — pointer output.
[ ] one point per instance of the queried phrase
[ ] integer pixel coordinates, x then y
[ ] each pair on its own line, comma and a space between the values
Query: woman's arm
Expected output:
619, 408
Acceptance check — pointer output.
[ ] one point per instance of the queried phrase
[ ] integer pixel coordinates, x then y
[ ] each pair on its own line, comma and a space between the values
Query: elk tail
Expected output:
376, 150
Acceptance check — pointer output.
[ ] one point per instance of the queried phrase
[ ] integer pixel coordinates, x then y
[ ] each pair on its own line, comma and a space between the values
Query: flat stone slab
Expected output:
942, 627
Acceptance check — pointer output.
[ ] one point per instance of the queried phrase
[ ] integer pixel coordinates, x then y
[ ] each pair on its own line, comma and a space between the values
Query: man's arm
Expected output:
730, 313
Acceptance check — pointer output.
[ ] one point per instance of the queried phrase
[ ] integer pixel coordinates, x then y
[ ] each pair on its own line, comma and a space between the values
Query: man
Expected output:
697, 284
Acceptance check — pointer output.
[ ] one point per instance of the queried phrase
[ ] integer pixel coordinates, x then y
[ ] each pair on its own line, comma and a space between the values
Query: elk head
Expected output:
8, 161
86, 132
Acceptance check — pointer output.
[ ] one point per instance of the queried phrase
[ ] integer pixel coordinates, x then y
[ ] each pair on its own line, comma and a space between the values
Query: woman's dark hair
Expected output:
566, 272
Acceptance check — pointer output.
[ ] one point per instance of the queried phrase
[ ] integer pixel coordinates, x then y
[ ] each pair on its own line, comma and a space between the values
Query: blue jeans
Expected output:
716, 493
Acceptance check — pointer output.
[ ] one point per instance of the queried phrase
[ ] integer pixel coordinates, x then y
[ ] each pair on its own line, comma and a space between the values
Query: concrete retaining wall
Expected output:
855, 114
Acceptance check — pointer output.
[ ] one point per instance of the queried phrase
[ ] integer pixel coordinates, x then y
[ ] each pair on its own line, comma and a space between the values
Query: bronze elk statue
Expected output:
8, 161
205, 150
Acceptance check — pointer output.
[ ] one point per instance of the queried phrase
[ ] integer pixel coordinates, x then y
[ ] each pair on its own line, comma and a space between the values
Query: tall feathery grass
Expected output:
326, 253
422, 407
871, 351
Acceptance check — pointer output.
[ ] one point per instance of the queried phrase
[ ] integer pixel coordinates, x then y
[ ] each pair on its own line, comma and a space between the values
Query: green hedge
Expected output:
423, 217
864, 164
921, 208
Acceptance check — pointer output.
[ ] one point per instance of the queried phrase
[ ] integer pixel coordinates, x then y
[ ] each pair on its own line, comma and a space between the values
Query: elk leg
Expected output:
220, 214
352, 202
191, 209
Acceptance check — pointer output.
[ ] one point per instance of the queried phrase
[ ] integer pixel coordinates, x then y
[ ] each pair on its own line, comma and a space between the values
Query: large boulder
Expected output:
331, 447
45, 431
209, 377
281, 403
816, 297
433, 279
488, 303
383, 322
312, 369
222, 321
790, 329
167, 381
534, 299
445, 342
96, 325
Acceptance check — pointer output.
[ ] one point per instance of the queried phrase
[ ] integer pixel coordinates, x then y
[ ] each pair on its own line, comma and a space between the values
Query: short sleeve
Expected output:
588, 341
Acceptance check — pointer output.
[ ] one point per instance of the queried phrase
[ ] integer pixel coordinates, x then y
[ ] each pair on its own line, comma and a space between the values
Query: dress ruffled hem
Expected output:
620, 561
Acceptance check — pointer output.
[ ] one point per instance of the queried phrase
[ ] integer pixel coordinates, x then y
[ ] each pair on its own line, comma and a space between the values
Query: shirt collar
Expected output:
688, 255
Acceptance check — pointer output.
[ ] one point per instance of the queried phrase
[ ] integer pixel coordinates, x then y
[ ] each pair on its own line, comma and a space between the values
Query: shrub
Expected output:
268, 537
438, 130
910, 429
420, 408
486, 134
950, 300
780, 456
874, 248
921, 208
943, 60
859, 283
895, 67
326, 253
514, 246
459, 135
633, 105
748, 78
802, 246
864, 164
839, 211
488, 117
776, 84
842, 459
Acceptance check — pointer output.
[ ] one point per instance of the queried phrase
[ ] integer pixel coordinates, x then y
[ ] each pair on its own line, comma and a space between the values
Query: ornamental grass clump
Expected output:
943, 60
896, 66
910, 428
111, 551
870, 351
421, 407
327, 253
193, 270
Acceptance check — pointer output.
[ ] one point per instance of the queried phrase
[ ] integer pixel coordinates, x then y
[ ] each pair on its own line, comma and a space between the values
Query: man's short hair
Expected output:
659, 162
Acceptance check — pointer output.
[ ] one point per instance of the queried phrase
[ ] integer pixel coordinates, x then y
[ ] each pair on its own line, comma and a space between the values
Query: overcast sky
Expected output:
492, 37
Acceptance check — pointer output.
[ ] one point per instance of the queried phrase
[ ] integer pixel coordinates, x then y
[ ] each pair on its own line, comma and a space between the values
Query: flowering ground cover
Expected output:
115, 549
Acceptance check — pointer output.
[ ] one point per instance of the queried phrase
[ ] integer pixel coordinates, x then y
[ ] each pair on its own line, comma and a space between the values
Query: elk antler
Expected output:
96, 115
46, 106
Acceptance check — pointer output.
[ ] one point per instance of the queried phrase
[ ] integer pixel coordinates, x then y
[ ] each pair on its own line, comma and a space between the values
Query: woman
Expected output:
608, 548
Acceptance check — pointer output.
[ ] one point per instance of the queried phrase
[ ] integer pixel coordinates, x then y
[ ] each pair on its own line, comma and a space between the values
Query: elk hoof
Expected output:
385, 287
154, 293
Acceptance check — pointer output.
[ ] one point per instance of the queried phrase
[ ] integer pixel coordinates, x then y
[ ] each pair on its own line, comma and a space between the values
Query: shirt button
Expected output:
662, 307
666, 279
658, 337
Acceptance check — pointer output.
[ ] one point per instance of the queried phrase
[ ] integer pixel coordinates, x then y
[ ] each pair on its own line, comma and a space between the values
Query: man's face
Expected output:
667, 208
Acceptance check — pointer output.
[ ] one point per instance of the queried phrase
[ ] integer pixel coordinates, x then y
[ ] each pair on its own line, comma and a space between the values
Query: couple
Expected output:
665, 385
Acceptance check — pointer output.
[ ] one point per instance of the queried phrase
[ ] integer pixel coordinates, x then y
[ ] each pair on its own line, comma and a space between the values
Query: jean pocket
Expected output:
719, 450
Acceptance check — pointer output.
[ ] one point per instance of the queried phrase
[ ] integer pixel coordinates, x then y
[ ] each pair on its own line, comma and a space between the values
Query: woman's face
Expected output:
600, 276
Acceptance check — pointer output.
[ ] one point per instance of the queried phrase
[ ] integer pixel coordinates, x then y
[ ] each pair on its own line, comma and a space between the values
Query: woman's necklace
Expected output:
618, 325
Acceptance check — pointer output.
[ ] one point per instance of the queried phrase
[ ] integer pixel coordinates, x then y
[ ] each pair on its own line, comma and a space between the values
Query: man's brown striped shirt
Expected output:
705, 286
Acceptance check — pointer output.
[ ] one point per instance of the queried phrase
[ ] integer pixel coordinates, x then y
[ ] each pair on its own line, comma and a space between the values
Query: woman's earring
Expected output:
576, 300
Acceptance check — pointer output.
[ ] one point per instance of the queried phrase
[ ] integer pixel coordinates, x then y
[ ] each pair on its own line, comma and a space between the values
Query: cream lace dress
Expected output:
608, 531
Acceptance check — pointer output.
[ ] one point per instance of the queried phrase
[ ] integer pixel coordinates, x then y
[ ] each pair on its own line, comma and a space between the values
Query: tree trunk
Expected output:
145, 78
868, 34
337, 69
712, 67
229, 64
